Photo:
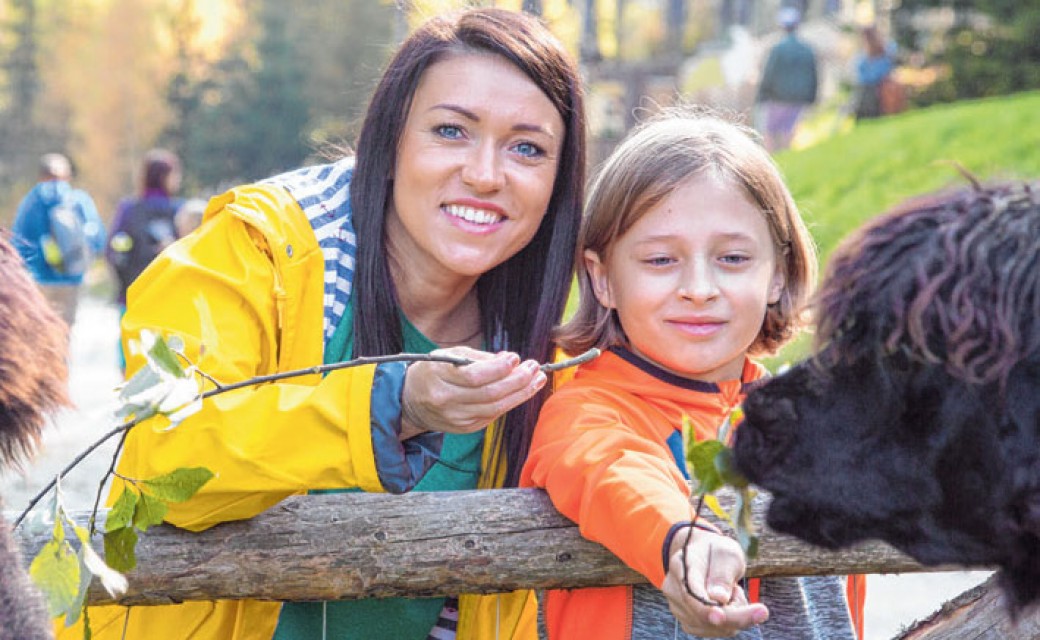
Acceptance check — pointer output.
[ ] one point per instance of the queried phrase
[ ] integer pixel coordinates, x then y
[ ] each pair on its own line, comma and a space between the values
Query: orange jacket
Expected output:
603, 450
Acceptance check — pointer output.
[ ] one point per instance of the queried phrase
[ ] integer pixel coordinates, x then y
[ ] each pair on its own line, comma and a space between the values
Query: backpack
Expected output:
147, 229
66, 247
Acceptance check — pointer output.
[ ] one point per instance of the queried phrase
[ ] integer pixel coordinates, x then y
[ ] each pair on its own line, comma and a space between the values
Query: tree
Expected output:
990, 49
18, 129
273, 129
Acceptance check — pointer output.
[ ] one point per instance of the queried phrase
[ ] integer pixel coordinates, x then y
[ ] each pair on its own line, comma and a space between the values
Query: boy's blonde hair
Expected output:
658, 156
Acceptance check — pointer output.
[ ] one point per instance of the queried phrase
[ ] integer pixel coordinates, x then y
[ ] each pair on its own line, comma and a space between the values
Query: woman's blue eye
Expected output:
735, 259
658, 261
449, 131
529, 150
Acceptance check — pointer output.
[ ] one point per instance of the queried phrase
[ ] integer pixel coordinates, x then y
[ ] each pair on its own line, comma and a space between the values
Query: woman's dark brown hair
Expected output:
159, 165
523, 298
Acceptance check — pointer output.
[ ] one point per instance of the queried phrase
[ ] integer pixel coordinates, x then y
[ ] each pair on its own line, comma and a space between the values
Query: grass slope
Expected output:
847, 179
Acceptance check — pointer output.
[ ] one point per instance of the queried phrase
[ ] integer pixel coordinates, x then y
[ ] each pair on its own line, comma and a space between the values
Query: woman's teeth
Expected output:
469, 214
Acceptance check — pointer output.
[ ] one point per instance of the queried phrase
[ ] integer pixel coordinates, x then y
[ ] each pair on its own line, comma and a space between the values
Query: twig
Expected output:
123, 428
591, 354
101, 486
686, 543
224, 388
72, 465
205, 376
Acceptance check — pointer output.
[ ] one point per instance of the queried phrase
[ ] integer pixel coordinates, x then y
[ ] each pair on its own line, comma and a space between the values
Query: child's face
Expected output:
691, 279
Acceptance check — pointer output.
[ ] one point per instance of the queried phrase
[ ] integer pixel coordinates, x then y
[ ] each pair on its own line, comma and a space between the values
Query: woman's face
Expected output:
476, 165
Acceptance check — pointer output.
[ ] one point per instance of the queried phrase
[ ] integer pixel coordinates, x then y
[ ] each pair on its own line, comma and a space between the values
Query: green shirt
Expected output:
392, 618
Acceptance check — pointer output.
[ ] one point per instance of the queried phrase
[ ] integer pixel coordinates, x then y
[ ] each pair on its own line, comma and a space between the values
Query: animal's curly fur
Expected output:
33, 375
917, 421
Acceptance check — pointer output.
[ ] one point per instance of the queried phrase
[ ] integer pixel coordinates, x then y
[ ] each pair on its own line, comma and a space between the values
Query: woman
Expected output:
874, 67
455, 227
143, 225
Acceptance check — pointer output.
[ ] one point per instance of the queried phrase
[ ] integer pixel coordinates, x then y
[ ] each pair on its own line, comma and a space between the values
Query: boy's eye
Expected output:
735, 259
449, 131
659, 261
529, 150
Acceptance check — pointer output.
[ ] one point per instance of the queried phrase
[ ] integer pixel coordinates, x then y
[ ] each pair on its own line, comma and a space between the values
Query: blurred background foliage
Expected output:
243, 89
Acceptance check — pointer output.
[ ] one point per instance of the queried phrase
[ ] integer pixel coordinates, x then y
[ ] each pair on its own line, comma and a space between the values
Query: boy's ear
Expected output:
776, 285
598, 276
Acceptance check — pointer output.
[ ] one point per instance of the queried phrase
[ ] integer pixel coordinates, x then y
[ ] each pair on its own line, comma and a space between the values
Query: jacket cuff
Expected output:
400, 465
674, 530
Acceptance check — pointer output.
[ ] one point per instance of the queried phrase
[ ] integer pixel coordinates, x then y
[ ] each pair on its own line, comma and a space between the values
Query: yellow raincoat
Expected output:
245, 293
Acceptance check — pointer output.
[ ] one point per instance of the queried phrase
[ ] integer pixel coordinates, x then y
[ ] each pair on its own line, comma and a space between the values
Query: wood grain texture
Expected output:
355, 545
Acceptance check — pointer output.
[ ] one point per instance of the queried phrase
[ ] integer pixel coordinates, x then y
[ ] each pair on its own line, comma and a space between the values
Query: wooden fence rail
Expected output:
354, 545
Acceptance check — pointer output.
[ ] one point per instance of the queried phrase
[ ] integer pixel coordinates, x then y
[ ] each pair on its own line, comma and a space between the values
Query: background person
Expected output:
143, 224
34, 235
454, 227
789, 83
874, 66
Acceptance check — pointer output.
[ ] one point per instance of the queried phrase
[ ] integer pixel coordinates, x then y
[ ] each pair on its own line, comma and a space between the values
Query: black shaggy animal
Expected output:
917, 421
33, 376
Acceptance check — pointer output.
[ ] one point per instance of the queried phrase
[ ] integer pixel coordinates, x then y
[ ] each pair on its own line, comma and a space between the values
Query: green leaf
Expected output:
149, 512
140, 396
56, 571
744, 526
725, 464
165, 358
119, 548
122, 513
180, 484
77, 608
144, 379
702, 459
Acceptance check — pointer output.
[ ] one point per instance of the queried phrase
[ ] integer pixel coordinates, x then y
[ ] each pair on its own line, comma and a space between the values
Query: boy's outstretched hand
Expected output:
714, 566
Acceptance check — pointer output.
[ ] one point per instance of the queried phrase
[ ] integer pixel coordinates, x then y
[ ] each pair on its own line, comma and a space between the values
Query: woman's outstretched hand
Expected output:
714, 566
439, 396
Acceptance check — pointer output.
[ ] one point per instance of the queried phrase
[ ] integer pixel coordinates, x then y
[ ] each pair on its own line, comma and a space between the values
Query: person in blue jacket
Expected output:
33, 234
789, 83
873, 67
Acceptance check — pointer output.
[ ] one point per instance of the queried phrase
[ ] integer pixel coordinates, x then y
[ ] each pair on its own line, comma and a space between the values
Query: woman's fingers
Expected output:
462, 399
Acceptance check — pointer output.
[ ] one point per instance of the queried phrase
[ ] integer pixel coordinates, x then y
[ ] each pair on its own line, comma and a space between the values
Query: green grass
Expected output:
851, 177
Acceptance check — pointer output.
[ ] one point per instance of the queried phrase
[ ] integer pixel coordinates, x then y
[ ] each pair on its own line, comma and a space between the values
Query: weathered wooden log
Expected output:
977, 614
353, 545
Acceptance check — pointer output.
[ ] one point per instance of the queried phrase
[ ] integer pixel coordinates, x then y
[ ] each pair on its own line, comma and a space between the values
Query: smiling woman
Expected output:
468, 180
